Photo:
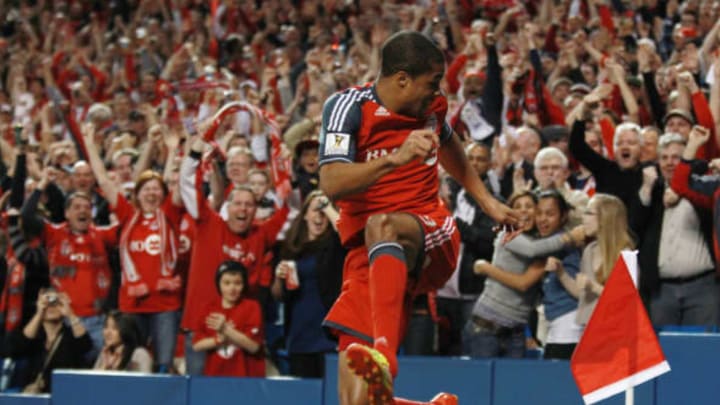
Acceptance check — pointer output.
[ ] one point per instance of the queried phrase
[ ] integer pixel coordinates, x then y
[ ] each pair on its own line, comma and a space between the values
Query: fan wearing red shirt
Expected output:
77, 256
380, 147
150, 286
218, 240
232, 331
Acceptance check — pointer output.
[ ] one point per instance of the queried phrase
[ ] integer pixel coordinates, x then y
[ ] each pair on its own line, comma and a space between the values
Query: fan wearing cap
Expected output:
232, 331
678, 121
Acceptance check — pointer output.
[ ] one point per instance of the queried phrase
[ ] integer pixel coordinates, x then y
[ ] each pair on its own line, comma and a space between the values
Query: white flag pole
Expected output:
630, 396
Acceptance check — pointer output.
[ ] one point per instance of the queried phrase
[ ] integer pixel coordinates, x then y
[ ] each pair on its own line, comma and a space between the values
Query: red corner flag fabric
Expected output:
618, 349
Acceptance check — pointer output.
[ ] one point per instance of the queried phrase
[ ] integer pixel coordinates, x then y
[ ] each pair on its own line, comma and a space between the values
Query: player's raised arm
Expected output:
453, 159
341, 178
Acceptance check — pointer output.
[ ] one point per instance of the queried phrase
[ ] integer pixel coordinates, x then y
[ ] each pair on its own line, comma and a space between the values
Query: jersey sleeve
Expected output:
340, 124
109, 234
123, 209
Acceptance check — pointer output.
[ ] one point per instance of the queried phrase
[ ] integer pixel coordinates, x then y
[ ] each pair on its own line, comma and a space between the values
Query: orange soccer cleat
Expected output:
373, 367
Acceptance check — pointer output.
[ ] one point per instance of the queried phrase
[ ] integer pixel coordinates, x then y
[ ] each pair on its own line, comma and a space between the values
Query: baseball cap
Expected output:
554, 133
677, 112
580, 88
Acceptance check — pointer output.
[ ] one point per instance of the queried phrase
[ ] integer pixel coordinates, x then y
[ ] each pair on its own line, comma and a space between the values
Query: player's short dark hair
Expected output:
411, 52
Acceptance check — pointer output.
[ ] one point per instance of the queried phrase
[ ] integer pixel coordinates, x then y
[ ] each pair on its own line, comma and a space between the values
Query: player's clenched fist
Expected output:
420, 144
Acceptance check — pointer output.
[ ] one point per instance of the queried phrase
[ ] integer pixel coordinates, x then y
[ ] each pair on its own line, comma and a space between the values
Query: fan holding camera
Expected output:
54, 338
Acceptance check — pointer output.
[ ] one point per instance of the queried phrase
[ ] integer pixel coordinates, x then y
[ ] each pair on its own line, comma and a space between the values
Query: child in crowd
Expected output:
233, 330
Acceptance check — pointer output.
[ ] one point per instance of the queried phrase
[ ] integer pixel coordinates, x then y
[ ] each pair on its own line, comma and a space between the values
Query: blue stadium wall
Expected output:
694, 359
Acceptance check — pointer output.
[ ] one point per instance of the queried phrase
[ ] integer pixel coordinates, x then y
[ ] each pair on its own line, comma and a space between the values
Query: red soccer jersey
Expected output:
230, 360
79, 264
215, 243
147, 260
356, 127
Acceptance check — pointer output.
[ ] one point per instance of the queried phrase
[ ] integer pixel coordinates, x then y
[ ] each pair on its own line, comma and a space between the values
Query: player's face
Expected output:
241, 211
423, 90
231, 287
150, 195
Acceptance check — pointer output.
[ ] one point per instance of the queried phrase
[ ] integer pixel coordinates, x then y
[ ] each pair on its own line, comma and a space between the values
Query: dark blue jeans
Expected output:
484, 342
162, 329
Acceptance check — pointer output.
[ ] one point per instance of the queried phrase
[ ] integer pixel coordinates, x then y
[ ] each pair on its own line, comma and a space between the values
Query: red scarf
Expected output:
11, 300
168, 280
280, 166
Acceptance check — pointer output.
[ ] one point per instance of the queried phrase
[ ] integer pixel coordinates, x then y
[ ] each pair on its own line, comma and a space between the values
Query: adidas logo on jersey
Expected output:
381, 112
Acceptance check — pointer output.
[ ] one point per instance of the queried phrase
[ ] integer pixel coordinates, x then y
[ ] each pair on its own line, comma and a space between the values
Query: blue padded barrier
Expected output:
90, 388
421, 378
694, 361
547, 382
17, 399
254, 391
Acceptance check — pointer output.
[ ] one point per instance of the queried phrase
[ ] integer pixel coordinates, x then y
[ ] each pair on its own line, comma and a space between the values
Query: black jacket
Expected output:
647, 223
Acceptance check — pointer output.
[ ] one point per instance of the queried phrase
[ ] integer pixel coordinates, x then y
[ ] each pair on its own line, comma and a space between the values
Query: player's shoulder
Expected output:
344, 99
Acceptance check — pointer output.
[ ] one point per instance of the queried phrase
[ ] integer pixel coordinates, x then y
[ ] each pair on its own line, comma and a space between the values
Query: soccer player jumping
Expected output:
379, 151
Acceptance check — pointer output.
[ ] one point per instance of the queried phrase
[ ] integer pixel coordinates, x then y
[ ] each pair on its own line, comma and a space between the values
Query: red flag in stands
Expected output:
618, 349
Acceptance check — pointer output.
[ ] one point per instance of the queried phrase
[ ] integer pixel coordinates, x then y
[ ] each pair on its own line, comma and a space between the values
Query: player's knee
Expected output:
378, 228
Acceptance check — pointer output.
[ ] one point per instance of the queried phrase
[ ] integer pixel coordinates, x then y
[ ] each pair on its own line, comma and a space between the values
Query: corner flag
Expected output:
618, 349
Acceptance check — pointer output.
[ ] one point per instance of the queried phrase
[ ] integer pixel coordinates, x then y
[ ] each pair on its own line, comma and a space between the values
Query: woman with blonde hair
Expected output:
605, 220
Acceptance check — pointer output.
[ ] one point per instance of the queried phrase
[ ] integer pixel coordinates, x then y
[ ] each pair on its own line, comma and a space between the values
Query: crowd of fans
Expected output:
159, 164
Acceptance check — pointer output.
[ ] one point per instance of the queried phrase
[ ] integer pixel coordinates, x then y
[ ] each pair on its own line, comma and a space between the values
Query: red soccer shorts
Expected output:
351, 315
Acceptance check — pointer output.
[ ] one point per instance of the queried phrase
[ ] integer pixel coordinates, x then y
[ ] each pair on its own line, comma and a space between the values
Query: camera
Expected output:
52, 298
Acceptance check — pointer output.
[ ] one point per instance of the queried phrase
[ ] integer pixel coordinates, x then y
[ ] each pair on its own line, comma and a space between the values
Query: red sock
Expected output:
388, 275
